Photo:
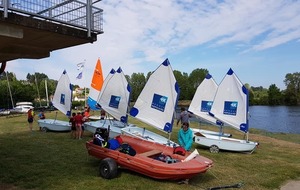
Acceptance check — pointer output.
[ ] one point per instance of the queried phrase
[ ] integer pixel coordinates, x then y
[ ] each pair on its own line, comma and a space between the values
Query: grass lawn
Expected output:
37, 160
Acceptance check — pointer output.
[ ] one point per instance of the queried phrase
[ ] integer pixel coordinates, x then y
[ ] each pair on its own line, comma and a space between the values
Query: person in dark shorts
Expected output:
73, 126
30, 118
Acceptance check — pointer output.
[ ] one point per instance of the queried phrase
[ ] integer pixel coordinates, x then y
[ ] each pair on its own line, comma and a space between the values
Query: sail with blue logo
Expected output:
203, 99
231, 102
62, 98
157, 101
115, 95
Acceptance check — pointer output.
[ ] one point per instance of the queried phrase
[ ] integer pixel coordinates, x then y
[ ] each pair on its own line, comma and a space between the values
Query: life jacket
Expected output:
127, 149
179, 150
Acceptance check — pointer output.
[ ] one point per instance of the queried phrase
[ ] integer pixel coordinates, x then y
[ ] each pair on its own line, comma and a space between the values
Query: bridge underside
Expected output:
32, 38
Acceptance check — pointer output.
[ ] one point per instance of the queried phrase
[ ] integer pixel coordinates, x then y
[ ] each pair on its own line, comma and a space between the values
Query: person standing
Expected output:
102, 114
185, 136
86, 114
78, 123
184, 116
73, 125
30, 116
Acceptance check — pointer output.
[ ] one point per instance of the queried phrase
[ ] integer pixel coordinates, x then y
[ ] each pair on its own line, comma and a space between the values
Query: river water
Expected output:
279, 119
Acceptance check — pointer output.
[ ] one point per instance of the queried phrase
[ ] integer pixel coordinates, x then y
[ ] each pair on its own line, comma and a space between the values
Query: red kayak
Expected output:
148, 158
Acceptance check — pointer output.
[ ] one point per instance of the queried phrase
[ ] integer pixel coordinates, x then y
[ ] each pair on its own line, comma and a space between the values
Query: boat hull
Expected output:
54, 125
225, 143
144, 161
114, 126
145, 134
208, 132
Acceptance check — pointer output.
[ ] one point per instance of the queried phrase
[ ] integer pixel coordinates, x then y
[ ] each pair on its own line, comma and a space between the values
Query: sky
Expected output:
258, 39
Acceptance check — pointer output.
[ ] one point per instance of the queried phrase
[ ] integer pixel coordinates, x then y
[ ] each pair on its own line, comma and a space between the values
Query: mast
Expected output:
37, 89
12, 102
47, 99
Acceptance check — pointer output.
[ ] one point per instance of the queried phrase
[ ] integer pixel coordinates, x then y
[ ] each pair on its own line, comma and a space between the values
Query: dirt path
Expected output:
291, 185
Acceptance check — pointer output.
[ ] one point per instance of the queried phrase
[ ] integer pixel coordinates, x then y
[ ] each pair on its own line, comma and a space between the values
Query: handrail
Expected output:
76, 13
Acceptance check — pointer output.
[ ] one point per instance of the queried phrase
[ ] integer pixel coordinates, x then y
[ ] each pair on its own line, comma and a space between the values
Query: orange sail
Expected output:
96, 86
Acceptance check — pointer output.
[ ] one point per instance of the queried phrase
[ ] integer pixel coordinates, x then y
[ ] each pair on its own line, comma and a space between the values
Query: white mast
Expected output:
12, 102
47, 99
37, 89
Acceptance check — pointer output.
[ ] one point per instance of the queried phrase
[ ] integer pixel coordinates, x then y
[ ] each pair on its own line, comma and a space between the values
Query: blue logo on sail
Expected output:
230, 108
206, 105
159, 102
62, 99
114, 101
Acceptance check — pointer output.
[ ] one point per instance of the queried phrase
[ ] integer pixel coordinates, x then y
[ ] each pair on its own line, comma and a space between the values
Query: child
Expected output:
78, 122
73, 125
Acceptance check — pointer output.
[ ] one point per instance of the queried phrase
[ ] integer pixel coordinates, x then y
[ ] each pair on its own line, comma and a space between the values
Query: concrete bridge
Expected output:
31, 29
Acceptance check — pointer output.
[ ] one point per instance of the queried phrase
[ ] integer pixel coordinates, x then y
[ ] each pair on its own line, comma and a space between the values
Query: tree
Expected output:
137, 83
274, 95
292, 82
183, 83
195, 79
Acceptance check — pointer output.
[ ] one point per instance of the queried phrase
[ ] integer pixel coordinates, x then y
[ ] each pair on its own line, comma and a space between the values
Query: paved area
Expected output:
291, 185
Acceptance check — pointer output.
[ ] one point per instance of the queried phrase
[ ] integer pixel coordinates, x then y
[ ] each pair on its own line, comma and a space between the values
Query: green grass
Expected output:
37, 160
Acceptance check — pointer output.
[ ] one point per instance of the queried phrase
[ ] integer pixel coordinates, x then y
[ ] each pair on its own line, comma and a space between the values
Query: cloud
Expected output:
140, 34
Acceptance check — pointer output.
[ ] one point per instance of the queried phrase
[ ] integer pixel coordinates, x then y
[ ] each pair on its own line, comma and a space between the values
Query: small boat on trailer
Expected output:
145, 160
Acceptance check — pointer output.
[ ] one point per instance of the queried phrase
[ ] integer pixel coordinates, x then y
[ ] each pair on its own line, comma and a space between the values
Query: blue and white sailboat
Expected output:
201, 105
62, 100
114, 99
230, 106
155, 105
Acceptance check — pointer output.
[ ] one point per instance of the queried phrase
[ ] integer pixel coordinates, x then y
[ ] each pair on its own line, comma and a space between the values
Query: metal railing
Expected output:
76, 13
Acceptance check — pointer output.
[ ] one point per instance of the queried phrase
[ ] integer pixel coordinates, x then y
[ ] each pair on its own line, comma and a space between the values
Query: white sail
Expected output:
114, 96
203, 99
231, 102
157, 101
62, 99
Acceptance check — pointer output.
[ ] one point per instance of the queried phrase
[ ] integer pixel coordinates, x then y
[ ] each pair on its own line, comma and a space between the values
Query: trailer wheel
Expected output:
214, 149
44, 129
108, 168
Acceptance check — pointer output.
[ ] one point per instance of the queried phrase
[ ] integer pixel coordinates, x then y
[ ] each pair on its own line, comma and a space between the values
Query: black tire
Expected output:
44, 129
214, 149
108, 168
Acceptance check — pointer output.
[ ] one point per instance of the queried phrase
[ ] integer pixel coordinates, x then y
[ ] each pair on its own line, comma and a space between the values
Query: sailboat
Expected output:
156, 105
114, 99
230, 106
201, 105
62, 100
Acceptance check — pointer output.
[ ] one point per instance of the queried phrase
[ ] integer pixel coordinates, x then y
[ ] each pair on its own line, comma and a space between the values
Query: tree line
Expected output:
34, 87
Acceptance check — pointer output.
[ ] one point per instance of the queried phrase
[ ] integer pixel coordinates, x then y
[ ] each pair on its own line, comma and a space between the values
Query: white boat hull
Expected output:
147, 135
5, 112
208, 132
54, 125
114, 126
95, 117
225, 143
